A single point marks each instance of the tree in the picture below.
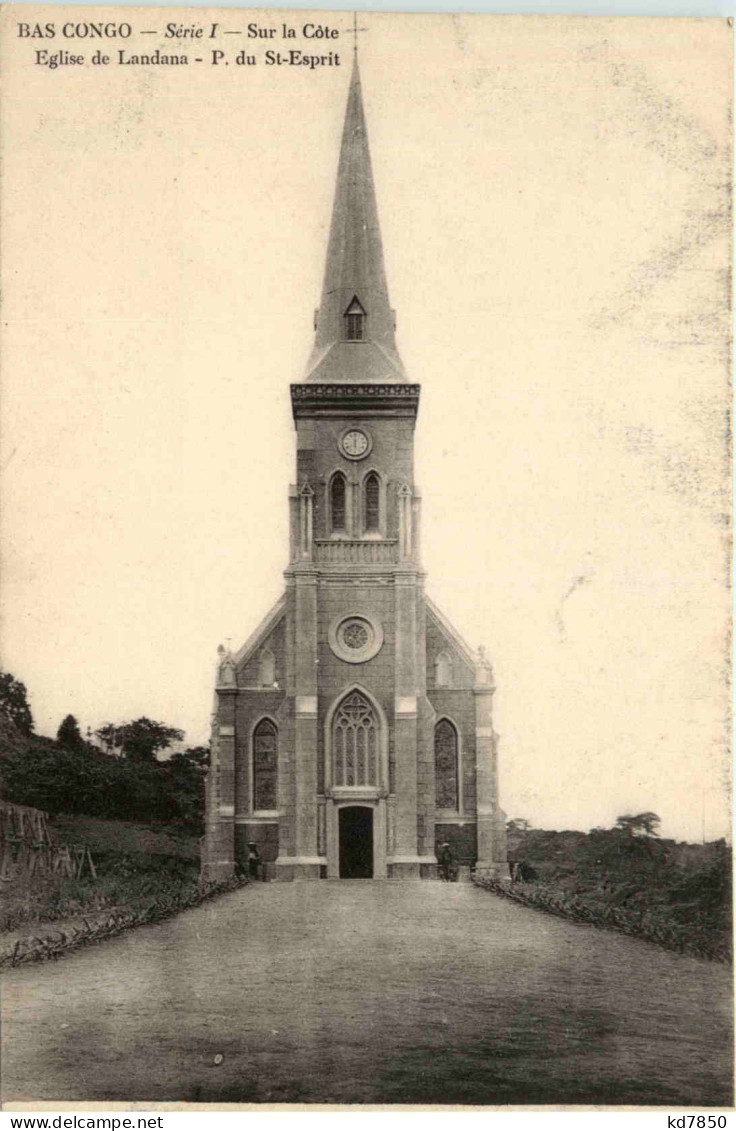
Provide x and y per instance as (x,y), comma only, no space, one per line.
(186,773)
(518,825)
(69,734)
(199,755)
(141,740)
(640,824)
(14,703)
(55,778)
(106,734)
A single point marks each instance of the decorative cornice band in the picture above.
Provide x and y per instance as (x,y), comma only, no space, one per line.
(330,392)
(261,690)
(402,400)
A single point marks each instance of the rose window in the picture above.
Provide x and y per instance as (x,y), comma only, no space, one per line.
(355,635)
(357,638)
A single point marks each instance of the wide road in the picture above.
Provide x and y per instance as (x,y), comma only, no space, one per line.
(373,992)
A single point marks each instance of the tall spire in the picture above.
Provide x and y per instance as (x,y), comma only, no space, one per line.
(355,324)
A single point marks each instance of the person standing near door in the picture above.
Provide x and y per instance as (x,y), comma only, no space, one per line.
(446,861)
(254,860)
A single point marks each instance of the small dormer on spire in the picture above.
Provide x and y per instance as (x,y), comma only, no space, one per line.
(355,305)
(355,322)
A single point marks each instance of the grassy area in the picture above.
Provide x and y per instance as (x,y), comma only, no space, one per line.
(656,922)
(53,897)
(136,864)
(55,939)
(121,838)
(675,894)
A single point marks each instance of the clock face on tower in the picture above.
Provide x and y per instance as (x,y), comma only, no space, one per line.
(355,443)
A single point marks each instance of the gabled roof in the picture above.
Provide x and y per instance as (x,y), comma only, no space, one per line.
(265,628)
(443,623)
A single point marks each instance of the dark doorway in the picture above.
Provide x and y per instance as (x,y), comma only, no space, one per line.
(356,843)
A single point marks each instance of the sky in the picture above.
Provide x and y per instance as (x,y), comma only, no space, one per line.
(553,201)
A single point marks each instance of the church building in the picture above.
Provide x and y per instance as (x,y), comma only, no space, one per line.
(353,730)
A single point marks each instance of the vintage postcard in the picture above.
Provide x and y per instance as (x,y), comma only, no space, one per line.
(364,714)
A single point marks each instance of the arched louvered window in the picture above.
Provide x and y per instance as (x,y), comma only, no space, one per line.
(266,668)
(445,765)
(355,742)
(337,502)
(443,670)
(265,765)
(372,502)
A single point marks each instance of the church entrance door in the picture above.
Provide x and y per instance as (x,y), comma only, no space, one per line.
(356,842)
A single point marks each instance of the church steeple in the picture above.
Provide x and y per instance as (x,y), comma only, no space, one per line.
(355,769)
(355,340)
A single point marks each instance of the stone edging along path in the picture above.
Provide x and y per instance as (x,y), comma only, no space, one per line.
(55,943)
(631,923)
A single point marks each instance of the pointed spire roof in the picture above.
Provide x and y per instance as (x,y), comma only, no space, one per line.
(355,271)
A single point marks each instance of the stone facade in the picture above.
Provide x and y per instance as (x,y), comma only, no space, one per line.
(353,731)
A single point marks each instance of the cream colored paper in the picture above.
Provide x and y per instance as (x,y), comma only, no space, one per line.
(555,208)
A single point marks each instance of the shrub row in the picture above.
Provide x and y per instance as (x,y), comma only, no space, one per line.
(37,948)
(121,882)
(651,924)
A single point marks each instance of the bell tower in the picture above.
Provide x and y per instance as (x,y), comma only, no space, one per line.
(355,410)
(366,761)
(358,510)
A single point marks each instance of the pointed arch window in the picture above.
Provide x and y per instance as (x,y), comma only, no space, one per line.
(372,502)
(267,668)
(355,742)
(265,765)
(355,322)
(338,494)
(443,670)
(445,765)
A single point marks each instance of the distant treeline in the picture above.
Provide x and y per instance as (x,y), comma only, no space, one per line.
(80,778)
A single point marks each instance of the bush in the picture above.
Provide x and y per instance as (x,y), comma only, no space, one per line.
(639,919)
(138,909)
(62,779)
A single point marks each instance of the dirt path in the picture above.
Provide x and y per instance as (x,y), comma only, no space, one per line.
(361,991)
